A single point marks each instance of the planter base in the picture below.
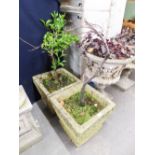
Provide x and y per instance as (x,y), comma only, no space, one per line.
(125,83)
(83,138)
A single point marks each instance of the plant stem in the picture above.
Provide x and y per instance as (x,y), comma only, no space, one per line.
(89,80)
(82,93)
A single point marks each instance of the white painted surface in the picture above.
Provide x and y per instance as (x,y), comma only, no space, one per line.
(106,13)
(97,17)
(94,5)
(115,22)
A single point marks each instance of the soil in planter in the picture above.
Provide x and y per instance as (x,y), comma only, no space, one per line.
(81,113)
(56,81)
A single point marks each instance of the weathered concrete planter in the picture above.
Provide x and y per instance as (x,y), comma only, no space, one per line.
(79,134)
(111,70)
(42,89)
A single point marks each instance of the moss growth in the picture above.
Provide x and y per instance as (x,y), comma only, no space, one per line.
(81,113)
(56,81)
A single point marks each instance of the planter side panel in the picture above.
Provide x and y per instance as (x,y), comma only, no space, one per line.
(79,139)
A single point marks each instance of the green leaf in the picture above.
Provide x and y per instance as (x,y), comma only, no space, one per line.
(48,22)
(61,64)
(43,22)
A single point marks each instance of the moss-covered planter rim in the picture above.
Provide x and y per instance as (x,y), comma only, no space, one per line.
(38,82)
(79,129)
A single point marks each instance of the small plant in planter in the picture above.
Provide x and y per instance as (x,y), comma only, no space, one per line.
(81,109)
(81,105)
(55,42)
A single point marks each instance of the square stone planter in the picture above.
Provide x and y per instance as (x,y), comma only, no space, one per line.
(79,134)
(37,80)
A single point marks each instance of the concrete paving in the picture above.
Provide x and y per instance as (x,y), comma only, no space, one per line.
(115,138)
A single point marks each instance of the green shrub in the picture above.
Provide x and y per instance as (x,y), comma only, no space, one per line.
(56,40)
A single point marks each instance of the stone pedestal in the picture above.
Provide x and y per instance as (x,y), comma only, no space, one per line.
(125,82)
(29,130)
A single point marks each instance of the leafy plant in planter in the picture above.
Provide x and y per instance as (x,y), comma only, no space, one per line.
(82,106)
(81,109)
(55,42)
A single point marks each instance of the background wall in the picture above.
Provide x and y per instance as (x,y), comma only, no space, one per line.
(31,30)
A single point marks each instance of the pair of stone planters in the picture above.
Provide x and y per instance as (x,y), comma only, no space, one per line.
(79,134)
